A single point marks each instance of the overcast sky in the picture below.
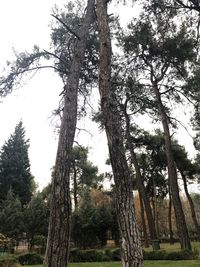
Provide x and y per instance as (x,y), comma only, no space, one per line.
(24,23)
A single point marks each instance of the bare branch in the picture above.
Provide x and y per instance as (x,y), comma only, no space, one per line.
(172,118)
(67,27)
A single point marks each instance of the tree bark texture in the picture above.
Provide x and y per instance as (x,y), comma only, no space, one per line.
(172,176)
(131,250)
(60,213)
(139,180)
(193,213)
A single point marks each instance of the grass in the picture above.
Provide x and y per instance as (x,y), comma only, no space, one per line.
(192,263)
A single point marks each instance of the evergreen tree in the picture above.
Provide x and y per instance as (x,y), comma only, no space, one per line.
(15,172)
(36,218)
(11,217)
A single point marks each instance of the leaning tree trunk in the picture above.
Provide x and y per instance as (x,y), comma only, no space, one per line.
(141,189)
(193,213)
(57,250)
(131,250)
(172,176)
(139,179)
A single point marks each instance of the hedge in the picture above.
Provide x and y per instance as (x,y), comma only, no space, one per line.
(93,255)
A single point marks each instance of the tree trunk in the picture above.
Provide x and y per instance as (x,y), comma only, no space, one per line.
(193,213)
(171,234)
(139,180)
(75,186)
(155,208)
(146,243)
(57,250)
(172,176)
(131,250)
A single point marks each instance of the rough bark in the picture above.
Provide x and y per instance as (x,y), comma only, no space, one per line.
(172,175)
(60,214)
(131,251)
(139,180)
(193,213)
(144,228)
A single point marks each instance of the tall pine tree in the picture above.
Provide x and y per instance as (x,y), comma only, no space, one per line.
(15,172)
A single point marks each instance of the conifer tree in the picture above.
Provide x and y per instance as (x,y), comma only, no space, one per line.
(15,172)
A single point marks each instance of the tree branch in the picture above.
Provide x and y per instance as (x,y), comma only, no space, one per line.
(67,27)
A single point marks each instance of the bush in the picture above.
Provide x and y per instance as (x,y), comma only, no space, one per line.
(116,255)
(93,255)
(90,255)
(174,255)
(30,259)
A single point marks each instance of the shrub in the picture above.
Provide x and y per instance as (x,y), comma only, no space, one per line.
(116,255)
(30,259)
(90,255)
(173,255)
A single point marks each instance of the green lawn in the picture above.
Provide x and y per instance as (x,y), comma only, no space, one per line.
(192,263)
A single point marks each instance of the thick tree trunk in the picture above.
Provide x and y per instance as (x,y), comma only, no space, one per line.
(172,176)
(131,250)
(60,214)
(144,228)
(171,234)
(193,213)
(139,180)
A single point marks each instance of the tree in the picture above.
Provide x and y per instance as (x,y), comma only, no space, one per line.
(36,216)
(187,171)
(131,245)
(139,177)
(15,172)
(11,217)
(91,221)
(84,173)
(161,58)
(60,212)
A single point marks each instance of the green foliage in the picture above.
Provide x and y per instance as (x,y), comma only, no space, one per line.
(11,217)
(86,172)
(92,224)
(83,226)
(91,255)
(30,259)
(15,167)
(170,255)
(115,255)
(36,217)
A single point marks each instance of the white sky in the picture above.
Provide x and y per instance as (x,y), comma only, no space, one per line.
(24,23)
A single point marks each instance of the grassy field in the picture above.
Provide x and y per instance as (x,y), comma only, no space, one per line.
(192,263)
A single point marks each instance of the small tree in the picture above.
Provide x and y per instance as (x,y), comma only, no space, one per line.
(11,217)
(36,218)
(15,172)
